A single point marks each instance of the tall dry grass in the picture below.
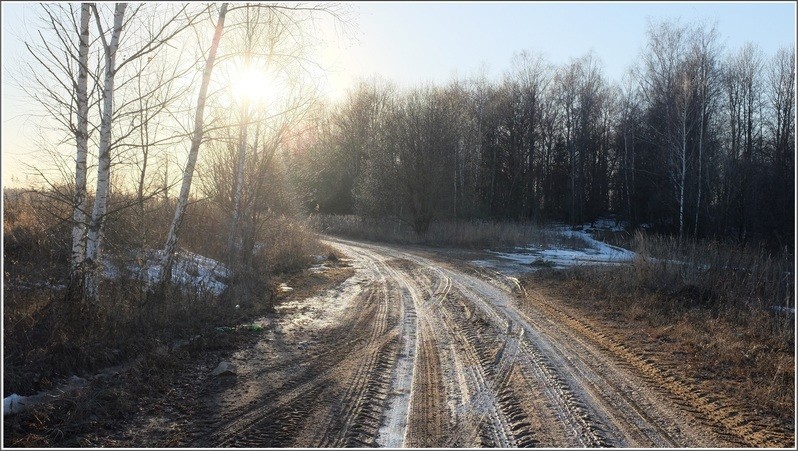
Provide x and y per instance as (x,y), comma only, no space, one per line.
(725,277)
(44,338)
(729,308)
(462,233)
(745,284)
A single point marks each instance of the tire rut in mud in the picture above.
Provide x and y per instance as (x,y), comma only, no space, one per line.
(604,393)
(713,411)
(343,385)
(431,355)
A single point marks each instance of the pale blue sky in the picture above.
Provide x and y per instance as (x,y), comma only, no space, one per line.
(411,42)
(418,42)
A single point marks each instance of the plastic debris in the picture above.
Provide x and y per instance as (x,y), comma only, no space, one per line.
(14,404)
(225,369)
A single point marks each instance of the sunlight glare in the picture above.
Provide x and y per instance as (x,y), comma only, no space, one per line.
(255,85)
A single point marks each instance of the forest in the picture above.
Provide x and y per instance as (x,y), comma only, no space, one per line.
(695,141)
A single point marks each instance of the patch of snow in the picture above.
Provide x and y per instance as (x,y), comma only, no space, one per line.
(324,309)
(190,270)
(14,404)
(529,258)
(285,288)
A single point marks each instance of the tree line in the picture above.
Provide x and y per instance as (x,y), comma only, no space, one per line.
(696,140)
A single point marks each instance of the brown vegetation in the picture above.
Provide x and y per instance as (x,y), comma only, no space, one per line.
(47,338)
(718,312)
(474,234)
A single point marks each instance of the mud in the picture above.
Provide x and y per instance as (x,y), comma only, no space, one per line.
(416,351)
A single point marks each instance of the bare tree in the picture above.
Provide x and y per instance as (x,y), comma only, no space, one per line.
(668,83)
(704,54)
(82,141)
(196,140)
(95,227)
(83,90)
(742,80)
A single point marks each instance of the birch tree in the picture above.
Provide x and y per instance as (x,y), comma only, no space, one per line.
(57,78)
(704,52)
(668,87)
(170,246)
(679,144)
(82,144)
(95,228)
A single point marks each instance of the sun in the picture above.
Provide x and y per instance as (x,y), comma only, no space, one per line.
(255,84)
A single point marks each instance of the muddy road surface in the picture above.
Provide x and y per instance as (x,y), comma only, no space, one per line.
(419,350)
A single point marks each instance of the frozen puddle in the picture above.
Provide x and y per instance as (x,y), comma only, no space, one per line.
(530,258)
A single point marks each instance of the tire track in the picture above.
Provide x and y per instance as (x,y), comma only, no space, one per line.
(353,384)
(429,355)
(599,392)
(713,409)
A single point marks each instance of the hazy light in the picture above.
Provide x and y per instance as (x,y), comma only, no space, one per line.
(254,82)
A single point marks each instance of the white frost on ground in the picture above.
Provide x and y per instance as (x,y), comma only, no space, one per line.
(529,258)
(14,404)
(190,270)
(324,309)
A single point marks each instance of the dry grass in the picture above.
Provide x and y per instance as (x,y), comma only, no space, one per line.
(48,337)
(707,305)
(287,245)
(96,416)
(472,234)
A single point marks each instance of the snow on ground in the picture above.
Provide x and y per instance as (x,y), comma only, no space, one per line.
(531,257)
(607,224)
(14,404)
(190,270)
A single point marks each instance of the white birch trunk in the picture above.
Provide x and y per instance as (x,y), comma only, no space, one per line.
(174,230)
(232,246)
(95,230)
(82,144)
(700,158)
(682,175)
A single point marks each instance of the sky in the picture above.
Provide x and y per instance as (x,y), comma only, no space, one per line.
(420,42)
(417,42)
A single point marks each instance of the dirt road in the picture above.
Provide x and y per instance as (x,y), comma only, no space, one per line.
(417,350)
